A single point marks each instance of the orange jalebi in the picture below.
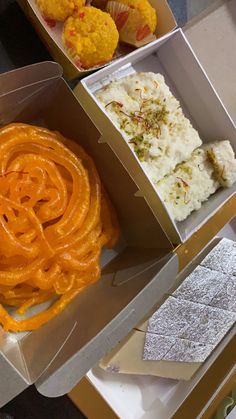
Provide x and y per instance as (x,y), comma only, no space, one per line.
(54,220)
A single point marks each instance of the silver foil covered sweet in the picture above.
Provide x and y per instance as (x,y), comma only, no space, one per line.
(222,258)
(195,318)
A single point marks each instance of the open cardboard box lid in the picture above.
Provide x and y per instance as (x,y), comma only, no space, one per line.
(52,36)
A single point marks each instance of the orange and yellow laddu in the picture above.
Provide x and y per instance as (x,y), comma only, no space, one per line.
(59,9)
(90,37)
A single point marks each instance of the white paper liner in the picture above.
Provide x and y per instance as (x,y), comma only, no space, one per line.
(125,17)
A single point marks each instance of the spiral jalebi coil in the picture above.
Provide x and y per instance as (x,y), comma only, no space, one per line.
(54,220)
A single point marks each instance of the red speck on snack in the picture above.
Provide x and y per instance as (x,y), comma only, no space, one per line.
(50,22)
(143,32)
(68,44)
(121,19)
(78,63)
(72,33)
(81,15)
(185,184)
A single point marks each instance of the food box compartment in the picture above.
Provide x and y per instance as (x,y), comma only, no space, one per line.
(141,266)
(52,36)
(174,58)
(147,397)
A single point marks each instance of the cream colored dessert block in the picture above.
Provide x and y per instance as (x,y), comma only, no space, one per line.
(151,120)
(188,186)
(127,359)
(223,159)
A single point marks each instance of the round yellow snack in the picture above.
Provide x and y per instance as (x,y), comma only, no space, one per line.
(90,37)
(59,9)
(145,8)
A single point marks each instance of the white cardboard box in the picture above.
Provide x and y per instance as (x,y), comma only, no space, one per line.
(148,397)
(52,36)
(135,273)
(173,57)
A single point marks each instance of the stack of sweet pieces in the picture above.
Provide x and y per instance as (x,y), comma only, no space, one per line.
(187,327)
(169,149)
(195,318)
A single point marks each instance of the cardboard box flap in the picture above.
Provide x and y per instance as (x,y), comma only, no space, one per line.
(13,382)
(70,365)
(212,35)
(206,113)
(28,76)
(18,86)
(26,348)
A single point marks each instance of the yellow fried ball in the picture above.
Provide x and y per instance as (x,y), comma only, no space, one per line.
(59,9)
(90,37)
(145,8)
